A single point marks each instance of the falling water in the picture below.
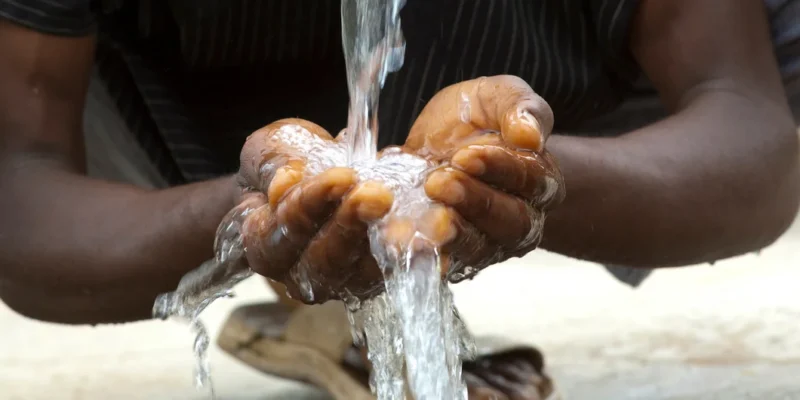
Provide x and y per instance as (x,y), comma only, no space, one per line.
(412,331)
(373,47)
(415,338)
(212,280)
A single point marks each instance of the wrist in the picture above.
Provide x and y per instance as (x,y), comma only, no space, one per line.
(583,162)
(211,201)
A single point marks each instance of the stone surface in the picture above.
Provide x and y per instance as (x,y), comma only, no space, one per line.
(731,331)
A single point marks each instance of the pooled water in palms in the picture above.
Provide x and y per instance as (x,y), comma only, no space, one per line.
(415,338)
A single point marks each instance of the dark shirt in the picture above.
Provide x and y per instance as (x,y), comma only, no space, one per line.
(193,78)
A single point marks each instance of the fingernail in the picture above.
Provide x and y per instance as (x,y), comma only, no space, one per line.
(442,227)
(523,130)
(398,231)
(284,179)
(340,181)
(373,201)
(536,135)
(531,121)
(444,187)
(469,162)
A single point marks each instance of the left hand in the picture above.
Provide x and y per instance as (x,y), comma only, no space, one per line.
(495,179)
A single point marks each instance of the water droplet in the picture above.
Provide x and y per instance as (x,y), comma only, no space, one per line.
(465,108)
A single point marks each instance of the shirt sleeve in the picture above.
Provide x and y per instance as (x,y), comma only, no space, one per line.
(56,17)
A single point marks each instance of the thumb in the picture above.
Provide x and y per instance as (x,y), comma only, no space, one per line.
(501,103)
(511,106)
(280,150)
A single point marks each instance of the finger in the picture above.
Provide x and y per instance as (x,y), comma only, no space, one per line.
(336,255)
(284,179)
(483,139)
(363,279)
(366,280)
(276,145)
(529,175)
(505,219)
(406,238)
(308,206)
(463,249)
(275,239)
(523,117)
(229,232)
(520,129)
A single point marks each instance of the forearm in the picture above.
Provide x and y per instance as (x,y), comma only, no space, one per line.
(693,188)
(79,250)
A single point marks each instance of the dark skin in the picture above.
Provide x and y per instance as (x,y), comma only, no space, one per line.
(717,179)
(83,250)
(493,182)
(686,190)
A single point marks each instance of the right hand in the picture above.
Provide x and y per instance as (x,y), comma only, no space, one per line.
(308,229)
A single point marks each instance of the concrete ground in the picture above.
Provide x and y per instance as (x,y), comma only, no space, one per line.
(731,331)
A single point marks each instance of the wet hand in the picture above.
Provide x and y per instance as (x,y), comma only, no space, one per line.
(307,227)
(495,179)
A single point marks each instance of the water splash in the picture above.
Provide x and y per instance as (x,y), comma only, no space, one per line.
(214,279)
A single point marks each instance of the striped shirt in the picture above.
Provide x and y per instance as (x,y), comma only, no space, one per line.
(193,78)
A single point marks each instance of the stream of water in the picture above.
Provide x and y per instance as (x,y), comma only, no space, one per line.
(415,338)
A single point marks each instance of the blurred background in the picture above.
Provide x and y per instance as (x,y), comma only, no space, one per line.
(728,331)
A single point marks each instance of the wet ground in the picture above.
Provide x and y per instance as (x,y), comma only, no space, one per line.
(731,331)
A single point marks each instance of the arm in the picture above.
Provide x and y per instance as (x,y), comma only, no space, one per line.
(74,249)
(718,178)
